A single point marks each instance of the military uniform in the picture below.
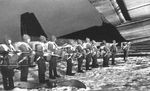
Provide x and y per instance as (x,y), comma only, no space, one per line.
(113,50)
(53,61)
(125,48)
(94,63)
(106,55)
(69,60)
(87,47)
(24,59)
(94,57)
(6,71)
(40,60)
(80,57)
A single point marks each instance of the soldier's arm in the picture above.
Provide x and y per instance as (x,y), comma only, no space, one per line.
(18,51)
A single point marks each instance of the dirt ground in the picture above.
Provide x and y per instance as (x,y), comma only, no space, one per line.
(134,75)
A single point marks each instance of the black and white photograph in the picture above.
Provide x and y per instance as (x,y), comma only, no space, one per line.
(74,45)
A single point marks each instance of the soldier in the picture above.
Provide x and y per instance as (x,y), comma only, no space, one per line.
(40,60)
(125,47)
(80,54)
(105,54)
(6,70)
(69,59)
(113,50)
(9,44)
(54,58)
(13,56)
(24,59)
(41,63)
(94,55)
(87,47)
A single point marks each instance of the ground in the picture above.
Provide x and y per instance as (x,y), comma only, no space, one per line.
(134,75)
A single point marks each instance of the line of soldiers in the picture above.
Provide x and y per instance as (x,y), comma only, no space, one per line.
(26,53)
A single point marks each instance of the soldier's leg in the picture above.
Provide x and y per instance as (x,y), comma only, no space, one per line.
(105,61)
(127,54)
(69,67)
(55,72)
(88,59)
(80,62)
(67,70)
(94,63)
(51,64)
(55,67)
(5,82)
(10,79)
(44,68)
(41,70)
(113,59)
(4,77)
(11,83)
(124,56)
(24,73)
(41,77)
(50,70)
(87,64)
